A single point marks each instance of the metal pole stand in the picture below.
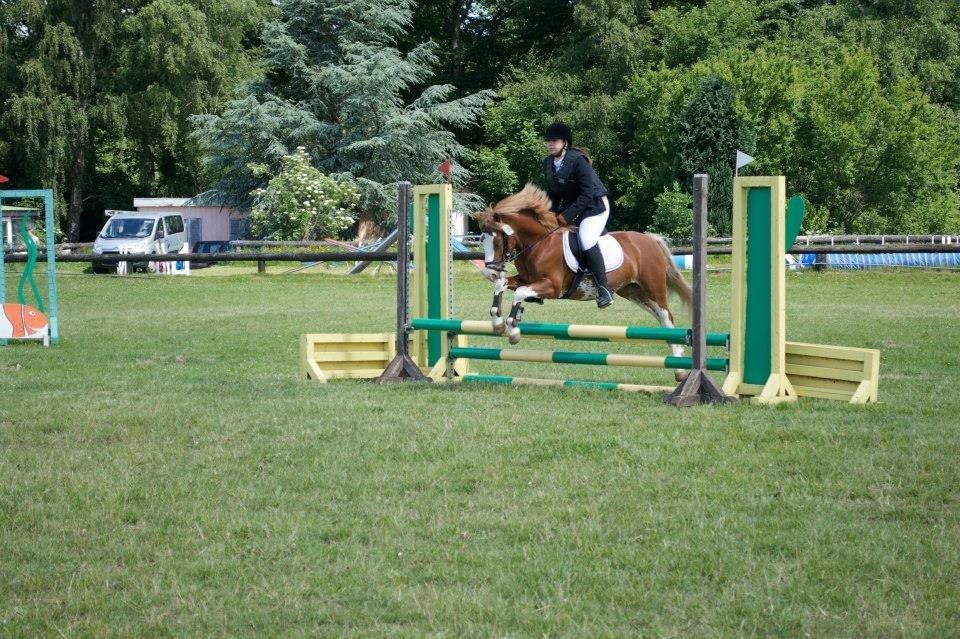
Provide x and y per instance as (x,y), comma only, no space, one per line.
(402,368)
(699,387)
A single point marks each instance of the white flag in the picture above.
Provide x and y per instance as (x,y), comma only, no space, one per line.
(743,159)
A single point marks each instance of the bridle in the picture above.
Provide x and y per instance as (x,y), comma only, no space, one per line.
(500,265)
(509,257)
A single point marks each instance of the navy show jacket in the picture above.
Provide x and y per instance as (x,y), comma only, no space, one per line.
(574,188)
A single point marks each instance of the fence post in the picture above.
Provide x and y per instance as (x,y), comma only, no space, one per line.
(699,387)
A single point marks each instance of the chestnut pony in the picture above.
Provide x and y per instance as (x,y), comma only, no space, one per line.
(521,229)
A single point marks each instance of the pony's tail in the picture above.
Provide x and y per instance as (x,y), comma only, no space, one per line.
(675,281)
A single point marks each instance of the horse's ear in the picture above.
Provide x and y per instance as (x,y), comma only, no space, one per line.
(485,217)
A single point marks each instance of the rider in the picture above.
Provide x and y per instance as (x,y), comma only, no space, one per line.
(580,198)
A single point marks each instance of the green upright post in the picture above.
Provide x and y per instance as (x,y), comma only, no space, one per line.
(757,346)
(435,264)
(53,315)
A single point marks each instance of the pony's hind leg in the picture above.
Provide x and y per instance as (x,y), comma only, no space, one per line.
(660,311)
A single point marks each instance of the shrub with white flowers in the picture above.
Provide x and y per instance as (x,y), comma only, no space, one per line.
(301,203)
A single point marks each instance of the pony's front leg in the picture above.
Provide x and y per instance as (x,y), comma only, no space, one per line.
(499,326)
(536,291)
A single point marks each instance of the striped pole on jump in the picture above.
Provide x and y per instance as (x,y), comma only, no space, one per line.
(564,383)
(594,359)
(583,332)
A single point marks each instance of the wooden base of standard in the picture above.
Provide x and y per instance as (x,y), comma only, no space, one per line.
(402,369)
(698,388)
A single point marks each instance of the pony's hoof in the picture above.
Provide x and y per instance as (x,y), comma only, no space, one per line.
(499,326)
(681,375)
(514,336)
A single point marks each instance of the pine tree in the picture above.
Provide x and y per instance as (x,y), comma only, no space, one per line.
(708,137)
(337,85)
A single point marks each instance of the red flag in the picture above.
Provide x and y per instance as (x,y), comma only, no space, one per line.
(3,179)
(445,168)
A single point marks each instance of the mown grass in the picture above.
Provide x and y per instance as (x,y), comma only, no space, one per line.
(164,472)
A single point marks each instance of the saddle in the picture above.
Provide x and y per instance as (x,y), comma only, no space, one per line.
(573,257)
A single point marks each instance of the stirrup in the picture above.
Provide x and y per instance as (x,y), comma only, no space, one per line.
(604,297)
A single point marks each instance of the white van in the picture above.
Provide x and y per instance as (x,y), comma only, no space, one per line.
(132,232)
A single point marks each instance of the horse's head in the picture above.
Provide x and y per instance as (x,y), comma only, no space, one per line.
(500,243)
(512,225)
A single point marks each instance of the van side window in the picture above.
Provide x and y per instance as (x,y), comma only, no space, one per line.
(173,224)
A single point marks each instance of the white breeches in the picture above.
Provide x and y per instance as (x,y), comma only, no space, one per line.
(592,227)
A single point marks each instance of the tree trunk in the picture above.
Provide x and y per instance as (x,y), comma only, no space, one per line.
(459,9)
(149,167)
(75,206)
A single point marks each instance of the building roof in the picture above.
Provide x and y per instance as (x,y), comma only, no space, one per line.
(139,202)
(16,212)
(207,198)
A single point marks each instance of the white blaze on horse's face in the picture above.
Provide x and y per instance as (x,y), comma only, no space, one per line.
(489,254)
(488,251)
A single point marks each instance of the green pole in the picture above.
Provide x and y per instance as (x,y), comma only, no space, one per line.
(757,348)
(27,275)
(434,264)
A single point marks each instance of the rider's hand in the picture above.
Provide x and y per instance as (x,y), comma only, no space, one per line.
(562,221)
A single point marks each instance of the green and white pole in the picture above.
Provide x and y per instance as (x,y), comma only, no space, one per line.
(576,357)
(575,332)
(564,383)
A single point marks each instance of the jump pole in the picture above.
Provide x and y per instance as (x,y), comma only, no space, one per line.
(432,262)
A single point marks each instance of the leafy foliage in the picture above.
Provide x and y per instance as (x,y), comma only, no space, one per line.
(301,203)
(832,95)
(708,136)
(673,216)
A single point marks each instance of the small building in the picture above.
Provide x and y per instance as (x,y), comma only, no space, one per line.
(205,219)
(10,217)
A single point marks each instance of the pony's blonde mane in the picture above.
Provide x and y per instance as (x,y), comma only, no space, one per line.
(530,202)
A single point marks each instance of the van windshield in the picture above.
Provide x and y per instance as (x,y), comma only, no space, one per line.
(127,227)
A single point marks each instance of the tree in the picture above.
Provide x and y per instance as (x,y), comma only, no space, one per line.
(336,84)
(63,97)
(708,135)
(479,39)
(187,59)
(82,77)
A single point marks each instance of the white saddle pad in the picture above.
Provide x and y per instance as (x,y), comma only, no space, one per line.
(610,247)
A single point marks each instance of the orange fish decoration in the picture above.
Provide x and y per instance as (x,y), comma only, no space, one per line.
(19,321)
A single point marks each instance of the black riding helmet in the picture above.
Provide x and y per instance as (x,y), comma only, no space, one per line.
(559,131)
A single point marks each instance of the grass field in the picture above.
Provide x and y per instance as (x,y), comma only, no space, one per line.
(163,471)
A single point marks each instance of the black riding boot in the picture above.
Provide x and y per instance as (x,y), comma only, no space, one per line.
(594,259)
